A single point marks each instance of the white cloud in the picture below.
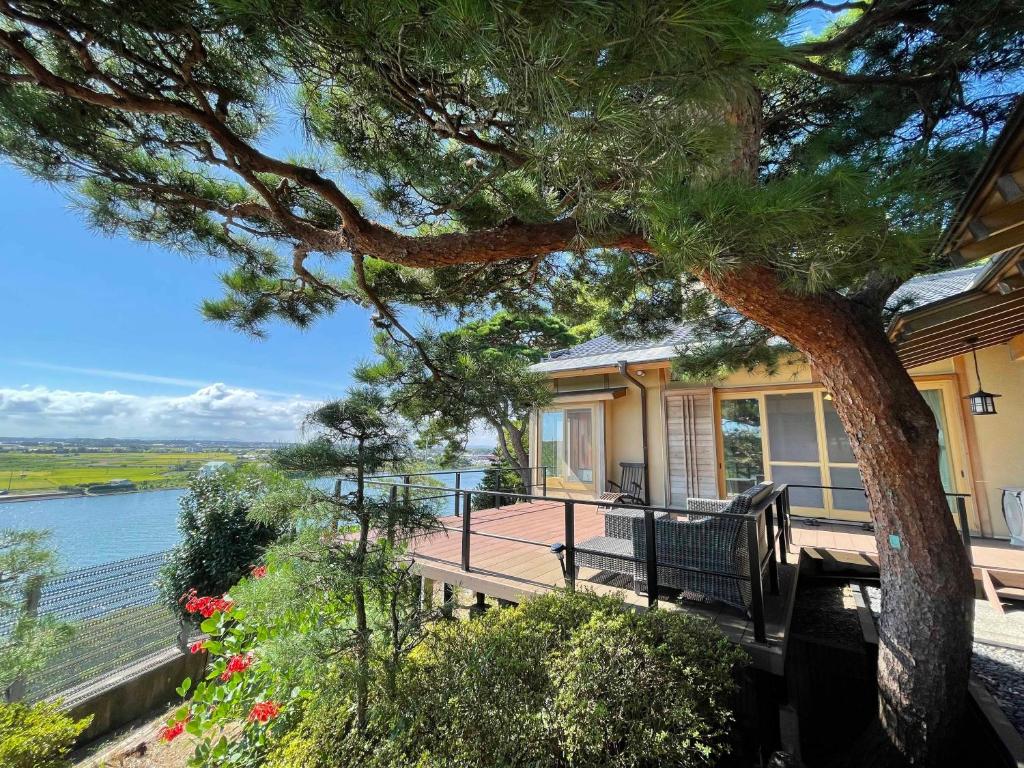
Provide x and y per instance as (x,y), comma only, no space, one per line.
(212,411)
(148,378)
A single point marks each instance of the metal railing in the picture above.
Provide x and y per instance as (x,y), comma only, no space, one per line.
(530,477)
(118,617)
(766,528)
(959,504)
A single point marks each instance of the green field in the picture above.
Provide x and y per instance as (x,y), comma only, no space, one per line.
(23,471)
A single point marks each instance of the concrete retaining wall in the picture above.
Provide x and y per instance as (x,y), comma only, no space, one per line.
(134,693)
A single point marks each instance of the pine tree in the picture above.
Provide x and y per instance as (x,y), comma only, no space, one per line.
(512,148)
(478,372)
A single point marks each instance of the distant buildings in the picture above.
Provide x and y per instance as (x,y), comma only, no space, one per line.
(212,468)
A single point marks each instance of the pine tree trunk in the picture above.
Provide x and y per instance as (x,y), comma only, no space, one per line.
(927,589)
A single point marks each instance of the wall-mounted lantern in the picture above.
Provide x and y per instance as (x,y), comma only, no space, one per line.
(982,403)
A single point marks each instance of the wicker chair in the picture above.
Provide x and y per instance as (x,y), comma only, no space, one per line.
(703,543)
(612,552)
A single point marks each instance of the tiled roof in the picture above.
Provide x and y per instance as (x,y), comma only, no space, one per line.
(604,350)
(927,289)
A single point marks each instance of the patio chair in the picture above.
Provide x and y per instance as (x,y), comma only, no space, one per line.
(711,547)
(612,552)
(630,488)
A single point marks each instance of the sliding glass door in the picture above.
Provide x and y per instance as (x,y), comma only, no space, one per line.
(795,436)
(568,447)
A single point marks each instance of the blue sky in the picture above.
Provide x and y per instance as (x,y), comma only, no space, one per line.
(102,337)
(84,313)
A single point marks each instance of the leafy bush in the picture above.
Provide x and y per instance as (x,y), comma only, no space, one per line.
(500,476)
(36,736)
(570,680)
(220,542)
(644,689)
(28,642)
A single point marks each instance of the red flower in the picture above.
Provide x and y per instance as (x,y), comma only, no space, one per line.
(263,711)
(237,663)
(174,730)
(206,606)
(196,647)
(259,572)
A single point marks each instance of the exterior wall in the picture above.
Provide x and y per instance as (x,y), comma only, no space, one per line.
(997,443)
(987,451)
(623,437)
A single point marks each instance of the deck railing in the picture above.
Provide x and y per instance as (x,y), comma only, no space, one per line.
(959,508)
(767,535)
(531,478)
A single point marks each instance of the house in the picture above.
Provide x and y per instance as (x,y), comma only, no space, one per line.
(617,402)
(213,467)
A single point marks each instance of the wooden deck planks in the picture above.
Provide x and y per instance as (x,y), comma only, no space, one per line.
(511,570)
(988,553)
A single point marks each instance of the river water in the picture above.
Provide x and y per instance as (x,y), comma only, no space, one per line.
(92,530)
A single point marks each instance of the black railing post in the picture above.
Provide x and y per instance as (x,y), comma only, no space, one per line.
(466,514)
(408,490)
(570,544)
(458,485)
(652,559)
(497,495)
(780,510)
(965,527)
(773,565)
(756,591)
(544,481)
(393,493)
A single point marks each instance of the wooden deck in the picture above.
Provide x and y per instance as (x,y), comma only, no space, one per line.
(510,570)
(988,553)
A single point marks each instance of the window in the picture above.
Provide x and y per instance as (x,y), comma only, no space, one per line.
(797,438)
(743,458)
(552,438)
(567,444)
(793,446)
(842,466)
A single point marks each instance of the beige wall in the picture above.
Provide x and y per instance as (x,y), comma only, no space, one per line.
(623,438)
(998,441)
(991,453)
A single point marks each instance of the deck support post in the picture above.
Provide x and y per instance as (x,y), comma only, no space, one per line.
(426,594)
(570,545)
(781,504)
(503,603)
(467,507)
(458,485)
(480,607)
(448,598)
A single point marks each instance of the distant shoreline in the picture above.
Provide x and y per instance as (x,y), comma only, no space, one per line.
(55,495)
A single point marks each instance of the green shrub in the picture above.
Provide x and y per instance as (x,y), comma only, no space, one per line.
(36,736)
(570,680)
(220,543)
(644,689)
(562,680)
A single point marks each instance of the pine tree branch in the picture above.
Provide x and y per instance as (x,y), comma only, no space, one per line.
(848,78)
(876,15)
(514,240)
